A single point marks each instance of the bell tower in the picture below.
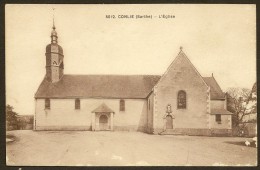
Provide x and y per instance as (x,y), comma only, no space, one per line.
(54,58)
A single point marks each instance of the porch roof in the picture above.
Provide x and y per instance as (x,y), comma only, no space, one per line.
(220,112)
(103,108)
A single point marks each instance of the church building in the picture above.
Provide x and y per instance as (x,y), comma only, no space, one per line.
(180,101)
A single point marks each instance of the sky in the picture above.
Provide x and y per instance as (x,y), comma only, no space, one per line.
(218,39)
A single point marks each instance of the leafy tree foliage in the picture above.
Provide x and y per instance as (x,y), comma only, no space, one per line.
(11,118)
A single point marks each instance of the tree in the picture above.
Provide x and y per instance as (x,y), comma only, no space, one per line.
(254,99)
(239,103)
(11,118)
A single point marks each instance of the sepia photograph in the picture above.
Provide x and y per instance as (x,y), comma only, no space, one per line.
(131,85)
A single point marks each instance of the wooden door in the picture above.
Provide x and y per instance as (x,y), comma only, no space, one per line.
(169,122)
(103,122)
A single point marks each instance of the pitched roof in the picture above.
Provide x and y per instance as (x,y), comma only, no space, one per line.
(95,86)
(109,86)
(215,90)
(220,112)
(103,108)
(181,54)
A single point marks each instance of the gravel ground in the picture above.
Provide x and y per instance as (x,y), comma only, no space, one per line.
(86,148)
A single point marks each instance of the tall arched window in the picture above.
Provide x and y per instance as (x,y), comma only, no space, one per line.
(181,101)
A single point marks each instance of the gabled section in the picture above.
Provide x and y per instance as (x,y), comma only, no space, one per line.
(181,59)
(215,91)
(103,108)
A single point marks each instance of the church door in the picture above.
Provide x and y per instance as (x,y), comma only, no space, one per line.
(169,122)
(103,122)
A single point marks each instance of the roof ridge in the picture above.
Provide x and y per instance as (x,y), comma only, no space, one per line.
(111,75)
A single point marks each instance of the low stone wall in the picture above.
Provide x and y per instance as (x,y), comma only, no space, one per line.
(157,131)
(149,130)
(199,132)
(221,132)
(193,132)
(130,128)
(246,130)
(251,128)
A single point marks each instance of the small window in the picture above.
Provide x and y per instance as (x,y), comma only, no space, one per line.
(148,104)
(218,118)
(47,104)
(122,105)
(77,104)
(181,100)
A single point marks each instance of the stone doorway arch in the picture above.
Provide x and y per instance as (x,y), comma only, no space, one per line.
(102,118)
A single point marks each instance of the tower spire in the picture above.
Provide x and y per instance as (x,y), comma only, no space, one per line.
(54,56)
(53,23)
(54,35)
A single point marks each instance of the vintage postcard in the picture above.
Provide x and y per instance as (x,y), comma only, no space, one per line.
(131,85)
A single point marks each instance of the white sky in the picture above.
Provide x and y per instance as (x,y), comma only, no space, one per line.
(219,39)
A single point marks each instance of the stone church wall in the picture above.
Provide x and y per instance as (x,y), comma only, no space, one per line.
(181,75)
(217,104)
(63,116)
(225,127)
(225,122)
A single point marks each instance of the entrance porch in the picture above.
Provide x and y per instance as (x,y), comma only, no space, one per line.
(102,118)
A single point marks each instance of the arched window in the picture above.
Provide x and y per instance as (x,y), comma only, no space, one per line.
(181,101)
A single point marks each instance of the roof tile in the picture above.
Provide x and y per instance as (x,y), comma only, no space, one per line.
(95,86)
(215,90)
(109,86)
